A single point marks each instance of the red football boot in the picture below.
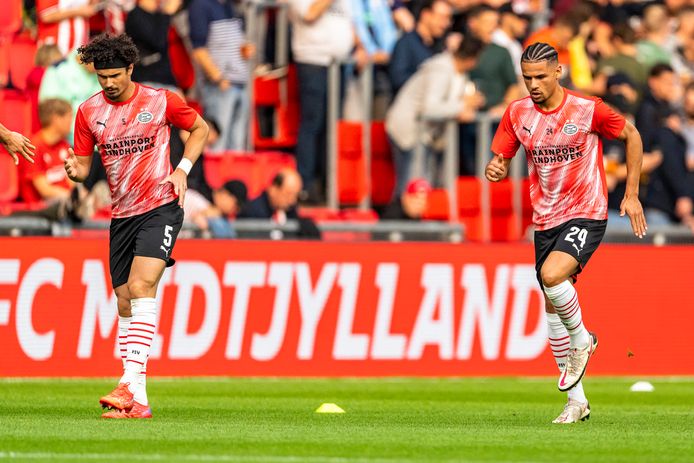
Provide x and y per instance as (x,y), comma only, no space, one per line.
(120,398)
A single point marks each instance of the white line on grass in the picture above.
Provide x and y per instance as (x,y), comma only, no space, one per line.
(220,458)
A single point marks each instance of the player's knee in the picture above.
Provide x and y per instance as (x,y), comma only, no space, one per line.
(551,277)
(140,287)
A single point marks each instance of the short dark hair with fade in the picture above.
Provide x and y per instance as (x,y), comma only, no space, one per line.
(660,69)
(106,48)
(538,52)
(470,47)
(479,10)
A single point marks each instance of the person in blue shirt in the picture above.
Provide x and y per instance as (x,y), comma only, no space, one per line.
(415,47)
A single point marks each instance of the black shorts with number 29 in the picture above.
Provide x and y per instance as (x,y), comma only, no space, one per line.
(577,237)
(152,234)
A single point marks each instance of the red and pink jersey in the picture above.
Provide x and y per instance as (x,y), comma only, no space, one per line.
(67,34)
(133,140)
(564,151)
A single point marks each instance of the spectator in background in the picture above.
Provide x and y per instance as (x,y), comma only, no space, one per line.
(411,204)
(46,179)
(375,30)
(622,95)
(657,43)
(46,55)
(65,24)
(69,80)
(221,52)
(415,47)
(671,186)
(688,124)
(214,218)
(558,35)
(494,75)
(662,94)
(322,31)
(512,28)
(436,93)
(685,25)
(625,61)
(683,60)
(376,34)
(148,25)
(278,202)
(403,17)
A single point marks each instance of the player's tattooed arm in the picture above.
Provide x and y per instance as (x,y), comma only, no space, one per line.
(77,167)
(631,205)
(497,168)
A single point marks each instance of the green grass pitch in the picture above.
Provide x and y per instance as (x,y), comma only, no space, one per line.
(387,420)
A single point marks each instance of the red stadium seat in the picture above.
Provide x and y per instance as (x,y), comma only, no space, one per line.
(15,111)
(358,215)
(5,43)
(22,54)
(438,206)
(351,183)
(503,219)
(320,214)
(11,17)
(256,170)
(181,64)
(268,93)
(9,184)
(382,169)
(469,191)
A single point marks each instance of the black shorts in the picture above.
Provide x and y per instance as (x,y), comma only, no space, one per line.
(152,234)
(577,237)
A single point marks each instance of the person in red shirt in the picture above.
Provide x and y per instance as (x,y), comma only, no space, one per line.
(64,23)
(46,179)
(560,131)
(130,125)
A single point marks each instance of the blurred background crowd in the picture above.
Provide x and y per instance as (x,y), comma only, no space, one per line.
(261,73)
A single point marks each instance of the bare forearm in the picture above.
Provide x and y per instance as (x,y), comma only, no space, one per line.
(195,143)
(203,58)
(634,155)
(57,16)
(317,9)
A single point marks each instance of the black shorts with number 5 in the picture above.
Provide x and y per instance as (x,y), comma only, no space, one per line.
(152,234)
(577,237)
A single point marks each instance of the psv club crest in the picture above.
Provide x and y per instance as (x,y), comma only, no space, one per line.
(569,128)
(145,117)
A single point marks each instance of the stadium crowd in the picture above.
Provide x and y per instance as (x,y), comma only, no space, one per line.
(432,61)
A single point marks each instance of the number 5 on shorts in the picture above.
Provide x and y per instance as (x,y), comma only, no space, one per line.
(167,235)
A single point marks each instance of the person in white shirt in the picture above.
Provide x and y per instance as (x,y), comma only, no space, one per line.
(322,31)
(437,94)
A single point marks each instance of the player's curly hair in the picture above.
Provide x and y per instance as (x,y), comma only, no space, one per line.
(108,48)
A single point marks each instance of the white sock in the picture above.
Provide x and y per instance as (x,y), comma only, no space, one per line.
(140,394)
(123,324)
(564,298)
(140,335)
(559,343)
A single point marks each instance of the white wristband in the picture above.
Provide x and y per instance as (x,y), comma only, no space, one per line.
(185,165)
